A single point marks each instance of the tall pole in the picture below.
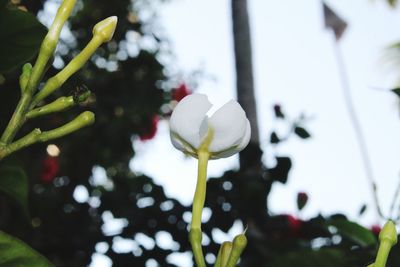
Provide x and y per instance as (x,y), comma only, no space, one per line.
(244,79)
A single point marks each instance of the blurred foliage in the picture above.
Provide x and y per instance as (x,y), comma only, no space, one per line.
(20,37)
(392,3)
(15,253)
(129,82)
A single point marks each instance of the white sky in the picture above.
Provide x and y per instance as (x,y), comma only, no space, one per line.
(295,66)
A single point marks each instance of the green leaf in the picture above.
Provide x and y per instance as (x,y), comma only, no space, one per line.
(396,91)
(20,37)
(15,253)
(353,231)
(320,258)
(281,170)
(14,183)
(301,132)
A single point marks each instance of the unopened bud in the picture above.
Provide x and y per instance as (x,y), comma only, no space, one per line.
(105,28)
(388,233)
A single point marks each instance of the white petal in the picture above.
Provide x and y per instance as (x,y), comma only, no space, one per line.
(187,118)
(229,124)
(233,150)
(246,138)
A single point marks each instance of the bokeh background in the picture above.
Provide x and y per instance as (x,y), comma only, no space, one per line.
(118,194)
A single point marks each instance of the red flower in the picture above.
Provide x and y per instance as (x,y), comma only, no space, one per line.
(294,224)
(151,130)
(376,229)
(50,169)
(180,92)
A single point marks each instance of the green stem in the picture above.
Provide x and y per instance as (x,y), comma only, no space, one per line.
(84,119)
(226,248)
(219,256)
(25,141)
(16,120)
(383,253)
(73,66)
(200,193)
(195,235)
(58,105)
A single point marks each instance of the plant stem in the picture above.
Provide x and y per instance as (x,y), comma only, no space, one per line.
(226,248)
(195,235)
(58,80)
(84,119)
(383,254)
(58,105)
(16,120)
(25,141)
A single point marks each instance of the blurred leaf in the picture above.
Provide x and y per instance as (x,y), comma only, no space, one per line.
(320,258)
(20,37)
(396,91)
(3,3)
(393,3)
(14,183)
(281,170)
(354,232)
(301,132)
(15,253)
(274,139)
(302,199)
(362,210)
(278,112)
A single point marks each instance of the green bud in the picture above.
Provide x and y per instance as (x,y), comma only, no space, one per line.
(388,233)
(60,104)
(105,28)
(240,241)
(24,77)
(84,119)
(239,244)
(226,249)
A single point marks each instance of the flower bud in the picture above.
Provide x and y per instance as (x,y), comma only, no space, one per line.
(388,233)
(105,28)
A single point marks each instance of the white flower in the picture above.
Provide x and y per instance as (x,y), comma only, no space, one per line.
(189,126)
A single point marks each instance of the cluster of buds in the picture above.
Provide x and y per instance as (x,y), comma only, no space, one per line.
(30,104)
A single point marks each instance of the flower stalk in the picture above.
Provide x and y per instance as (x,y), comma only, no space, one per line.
(195,234)
(387,238)
(84,119)
(102,32)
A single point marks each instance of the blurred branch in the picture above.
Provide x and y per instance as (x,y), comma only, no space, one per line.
(362,144)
